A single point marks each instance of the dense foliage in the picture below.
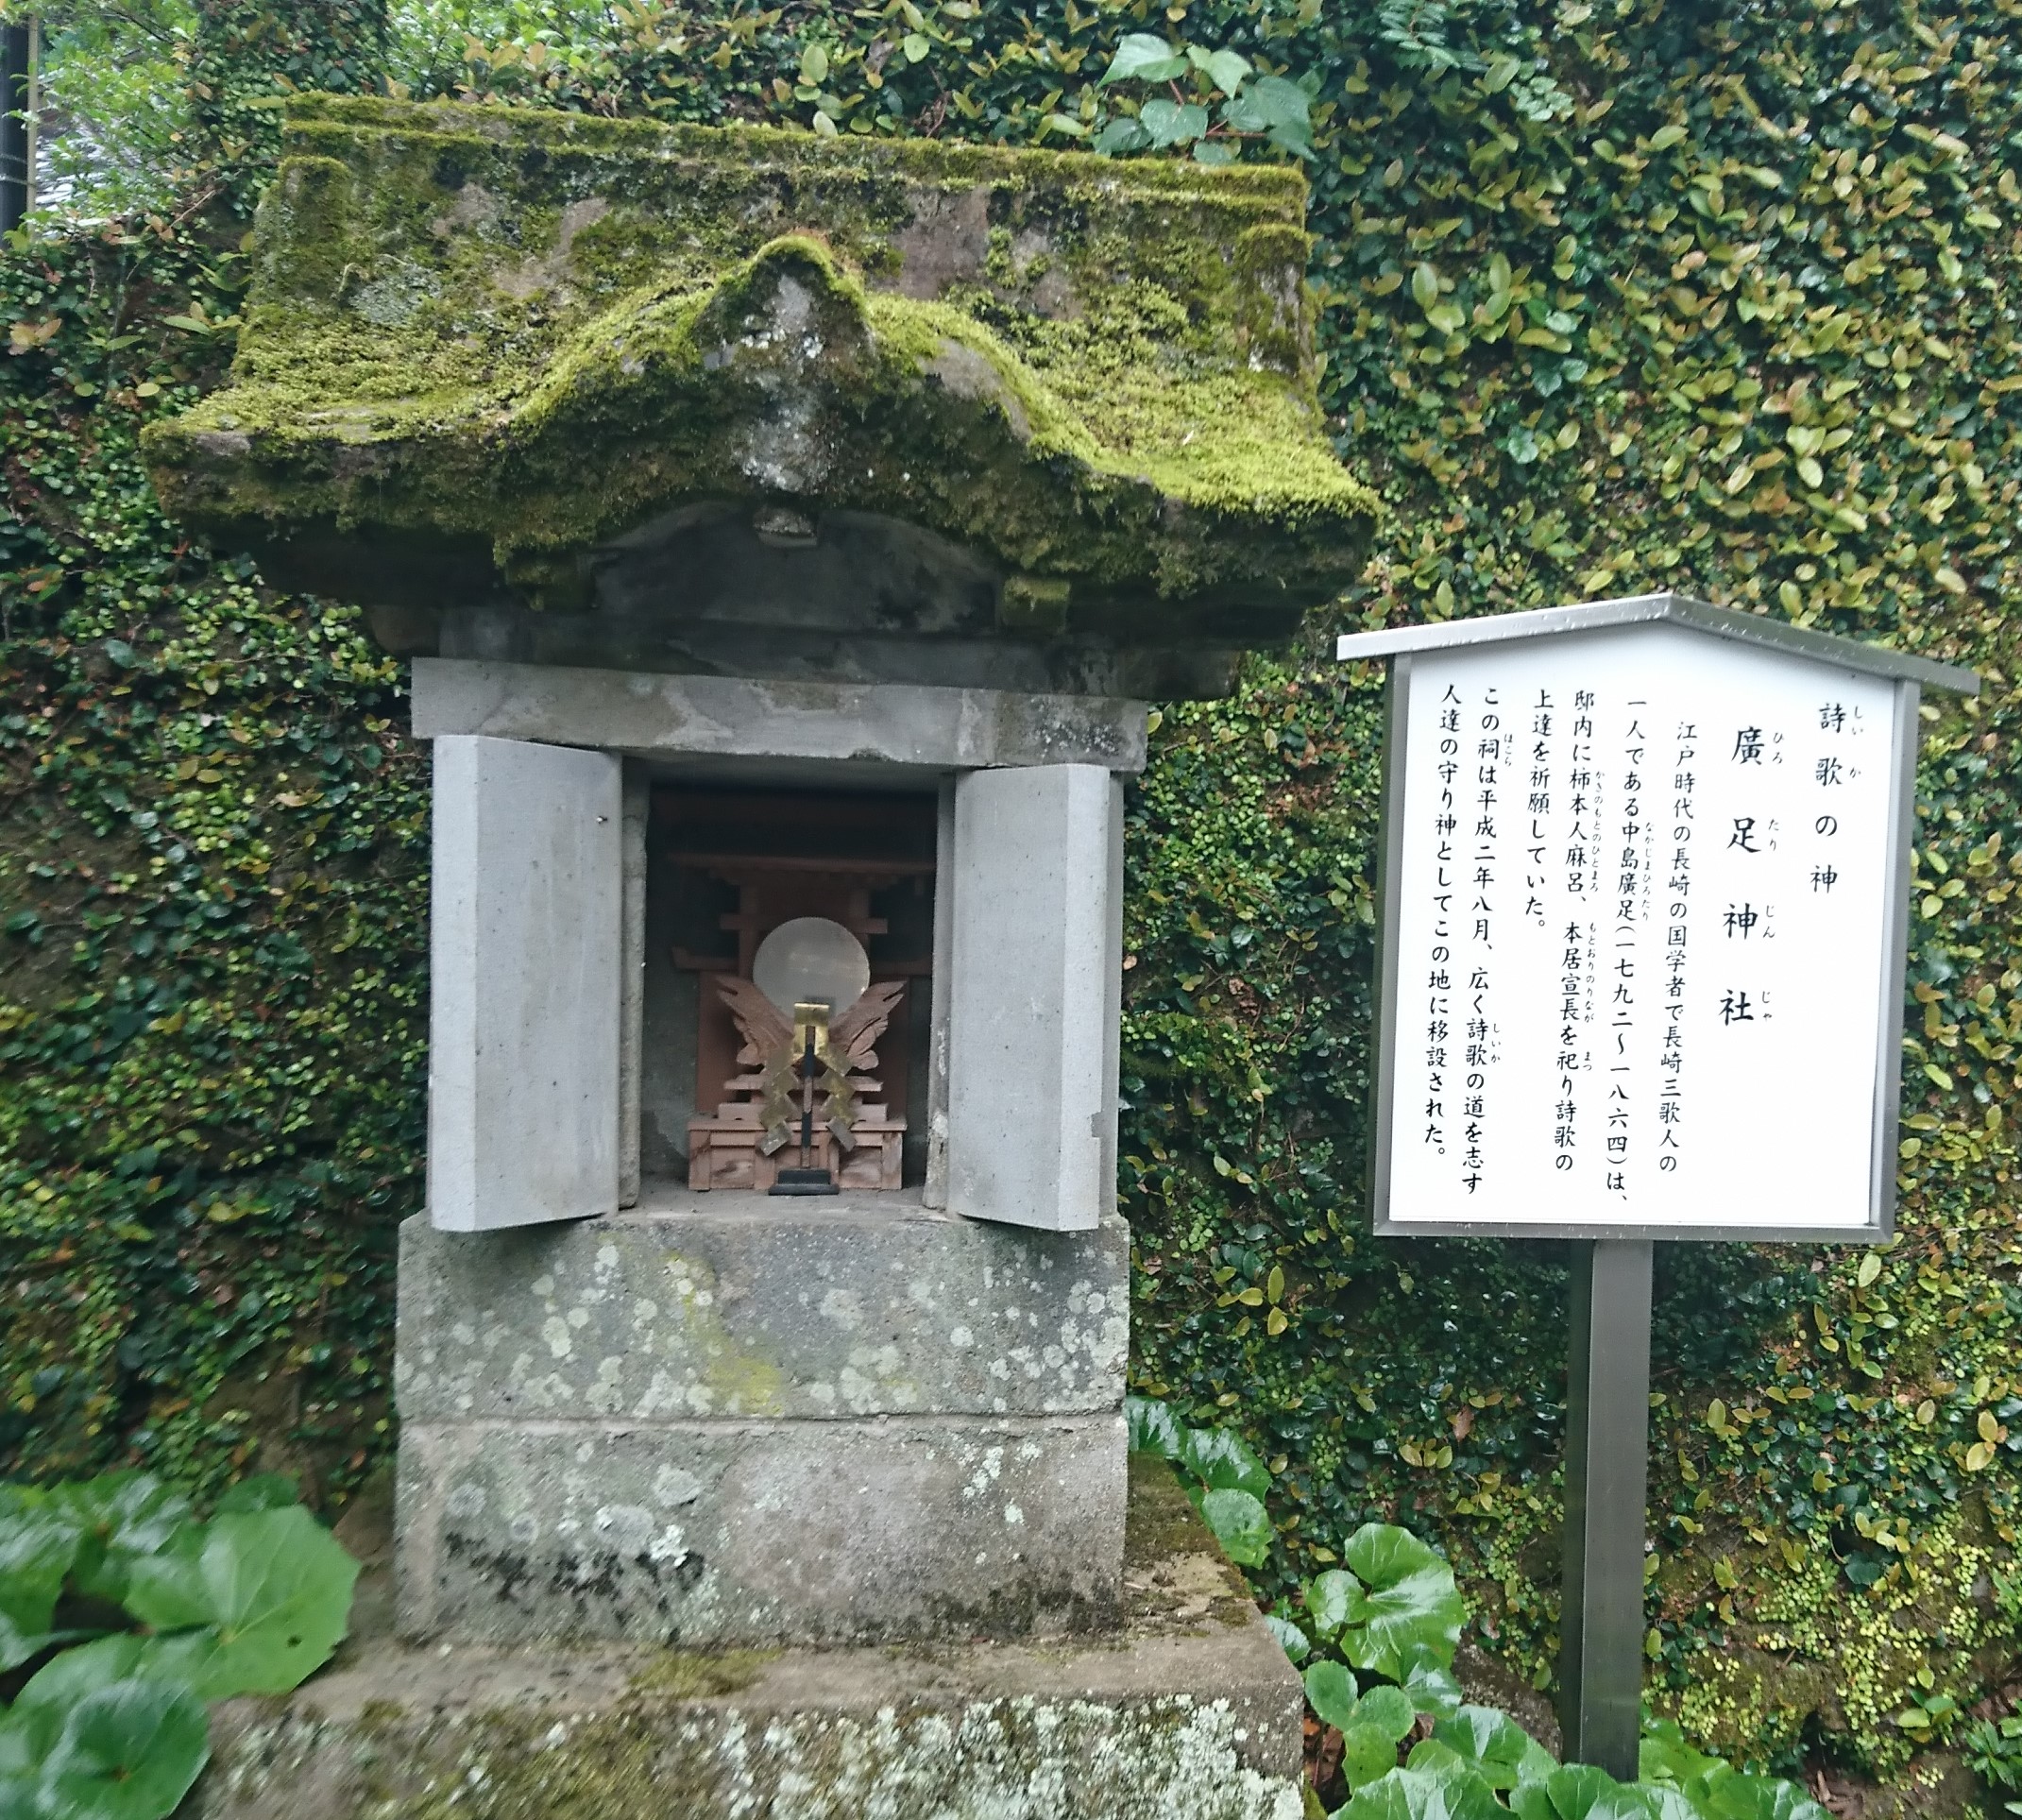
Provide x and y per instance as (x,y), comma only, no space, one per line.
(1379,1636)
(122,1616)
(1617,294)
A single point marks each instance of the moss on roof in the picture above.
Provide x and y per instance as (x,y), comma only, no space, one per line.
(531,333)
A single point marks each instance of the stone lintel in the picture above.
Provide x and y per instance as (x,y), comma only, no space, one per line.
(721,1533)
(1188,1711)
(653,715)
(735,1305)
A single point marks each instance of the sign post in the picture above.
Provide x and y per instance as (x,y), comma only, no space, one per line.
(1644,884)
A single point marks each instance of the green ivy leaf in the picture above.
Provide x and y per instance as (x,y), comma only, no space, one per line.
(1225,69)
(1121,137)
(1172,123)
(126,1752)
(266,1600)
(1143,58)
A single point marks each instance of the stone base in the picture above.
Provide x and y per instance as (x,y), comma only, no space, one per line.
(1190,1712)
(727,1419)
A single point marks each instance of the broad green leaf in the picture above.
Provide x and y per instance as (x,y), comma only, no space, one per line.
(1219,151)
(263,1491)
(1366,1753)
(1172,123)
(64,1681)
(38,1541)
(1241,1525)
(814,65)
(271,1590)
(915,47)
(1424,1794)
(1665,1756)
(1410,1600)
(1503,1752)
(1143,58)
(1724,1793)
(1580,1792)
(1333,1599)
(120,1516)
(1152,1427)
(1388,1709)
(1292,1641)
(1222,1458)
(1330,1692)
(22,1746)
(1433,1688)
(1122,136)
(126,1752)
(1425,284)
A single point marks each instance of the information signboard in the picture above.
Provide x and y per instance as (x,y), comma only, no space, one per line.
(1644,880)
(1644,883)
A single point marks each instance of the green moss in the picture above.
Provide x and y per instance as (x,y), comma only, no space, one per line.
(544,332)
(701,1675)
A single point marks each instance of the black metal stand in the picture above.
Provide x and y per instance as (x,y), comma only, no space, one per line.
(1608,1445)
(806,1180)
(15,182)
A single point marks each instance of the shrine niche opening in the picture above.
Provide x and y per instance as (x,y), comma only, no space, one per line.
(738,882)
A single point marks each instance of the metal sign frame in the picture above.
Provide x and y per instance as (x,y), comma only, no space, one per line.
(1909,675)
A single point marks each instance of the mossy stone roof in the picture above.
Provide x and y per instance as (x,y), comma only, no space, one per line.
(690,398)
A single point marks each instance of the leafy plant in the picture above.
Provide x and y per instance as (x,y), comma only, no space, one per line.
(252,1602)
(1394,1612)
(1253,106)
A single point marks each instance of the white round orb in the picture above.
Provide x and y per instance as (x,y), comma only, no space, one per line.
(812,961)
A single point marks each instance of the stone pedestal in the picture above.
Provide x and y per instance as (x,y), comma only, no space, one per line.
(731,1418)
(1187,1711)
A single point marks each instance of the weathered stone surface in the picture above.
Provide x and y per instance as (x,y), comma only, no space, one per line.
(654,715)
(761,1532)
(1189,1713)
(525,984)
(735,1304)
(1034,995)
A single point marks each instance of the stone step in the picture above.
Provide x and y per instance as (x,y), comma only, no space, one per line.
(1189,1711)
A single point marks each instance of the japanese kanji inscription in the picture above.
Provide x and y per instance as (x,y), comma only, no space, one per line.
(1642,942)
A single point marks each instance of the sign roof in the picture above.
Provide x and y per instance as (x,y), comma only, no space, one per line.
(1675,609)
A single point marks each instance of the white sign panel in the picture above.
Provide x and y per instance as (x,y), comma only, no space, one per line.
(1642,948)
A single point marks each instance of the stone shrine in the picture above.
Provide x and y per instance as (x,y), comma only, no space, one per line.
(788,534)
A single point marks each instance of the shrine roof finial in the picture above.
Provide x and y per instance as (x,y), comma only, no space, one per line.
(726,392)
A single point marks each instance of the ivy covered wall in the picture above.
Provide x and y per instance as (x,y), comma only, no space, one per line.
(1617,296)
